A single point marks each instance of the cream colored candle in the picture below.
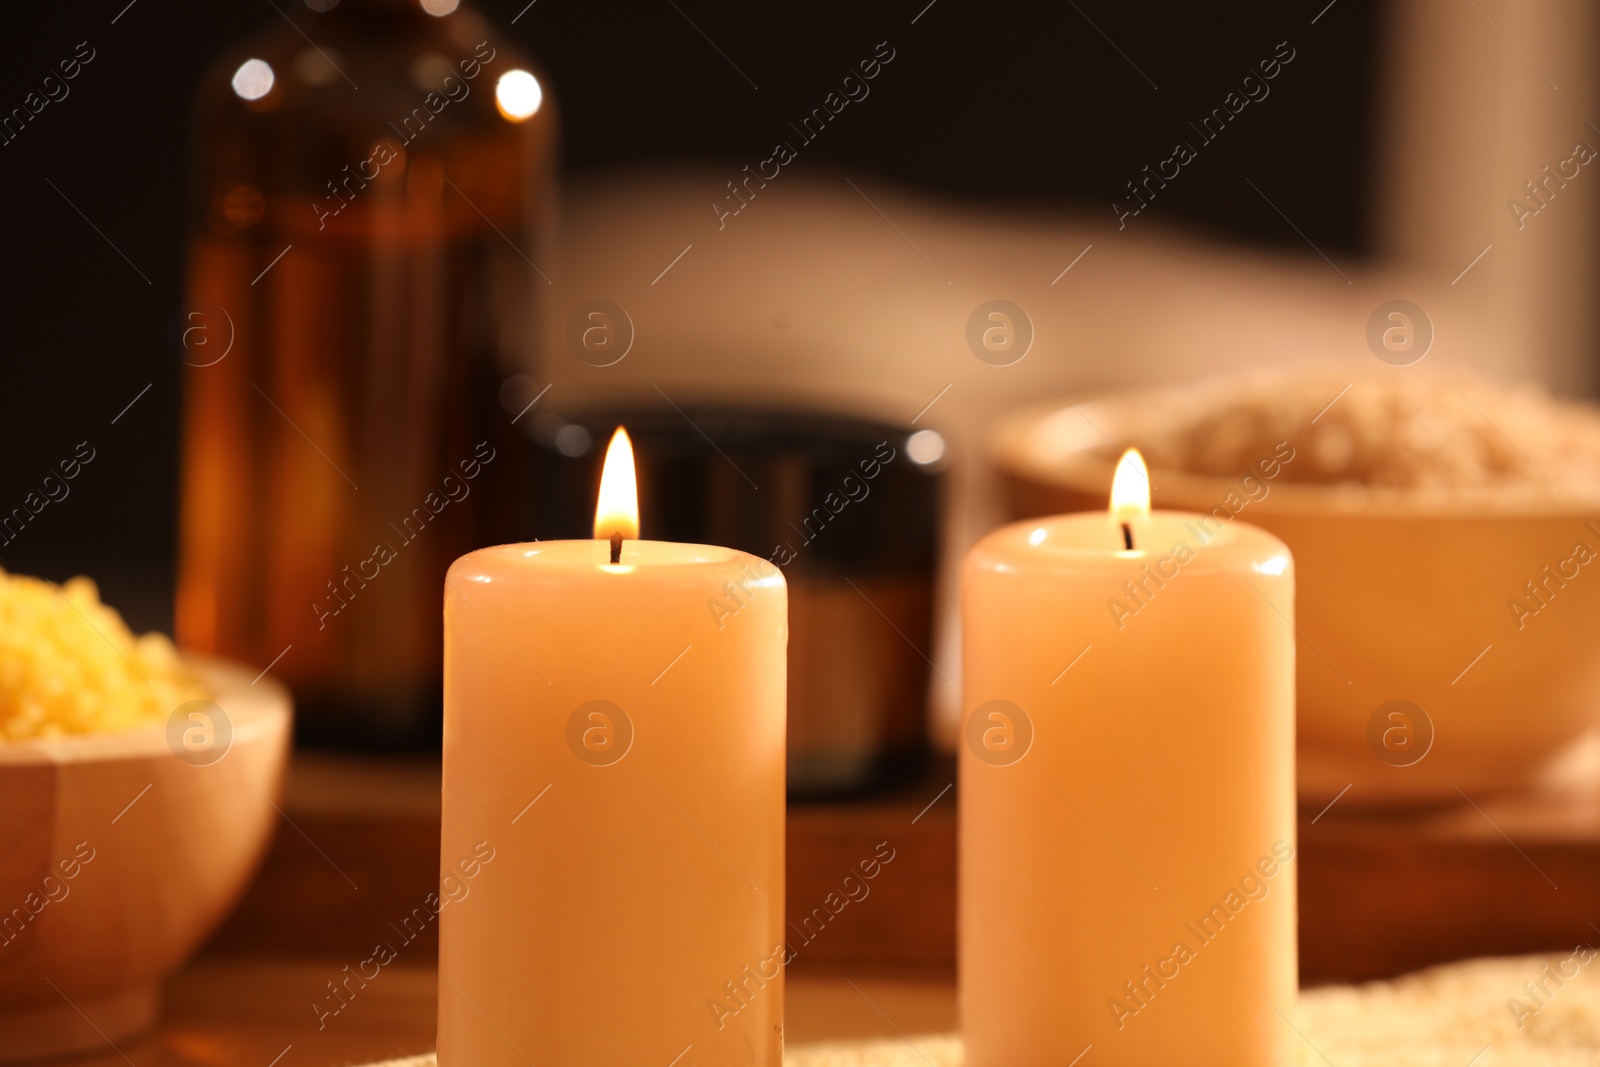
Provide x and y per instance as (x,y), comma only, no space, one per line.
(1127,792)
(616,747)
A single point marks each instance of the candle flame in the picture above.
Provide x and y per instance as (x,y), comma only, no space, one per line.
(617,511)
(1130,488)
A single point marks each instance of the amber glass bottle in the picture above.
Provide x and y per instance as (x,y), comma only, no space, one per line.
(371,187)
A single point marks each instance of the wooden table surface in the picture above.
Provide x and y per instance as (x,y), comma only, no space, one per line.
(255,1011)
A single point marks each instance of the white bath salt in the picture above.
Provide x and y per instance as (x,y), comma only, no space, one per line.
(1433,433)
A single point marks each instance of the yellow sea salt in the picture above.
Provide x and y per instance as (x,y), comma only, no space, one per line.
(70,665)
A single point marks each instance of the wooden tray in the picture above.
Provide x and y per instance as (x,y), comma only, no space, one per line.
(1380,893)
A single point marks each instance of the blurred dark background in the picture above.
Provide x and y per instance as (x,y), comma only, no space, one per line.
(999,103)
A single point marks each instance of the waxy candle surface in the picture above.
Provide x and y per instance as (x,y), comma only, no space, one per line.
(634,901)
(1127,813)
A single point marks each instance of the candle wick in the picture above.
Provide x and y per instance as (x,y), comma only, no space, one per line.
(1127,538)
(616,547)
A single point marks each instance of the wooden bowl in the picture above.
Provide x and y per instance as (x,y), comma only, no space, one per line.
(118,857)
(1399,598)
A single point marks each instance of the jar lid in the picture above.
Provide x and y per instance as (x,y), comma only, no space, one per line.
(811,491)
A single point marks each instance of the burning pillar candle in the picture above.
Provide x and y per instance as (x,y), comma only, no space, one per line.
(1127,791)
(613,825)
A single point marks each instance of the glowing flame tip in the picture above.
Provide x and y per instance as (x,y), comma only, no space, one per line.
(617,511)
(1130,487)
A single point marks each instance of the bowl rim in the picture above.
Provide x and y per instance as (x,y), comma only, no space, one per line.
(257,706)
(1013,450)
